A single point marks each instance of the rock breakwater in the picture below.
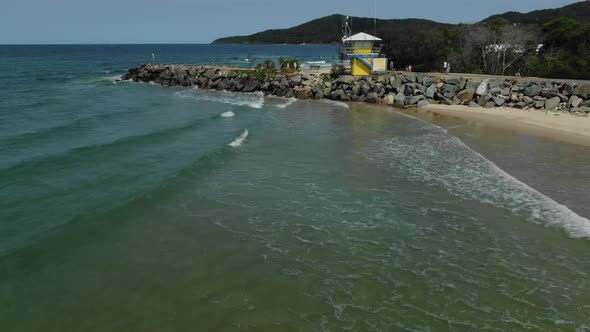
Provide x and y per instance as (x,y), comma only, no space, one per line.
(398,90)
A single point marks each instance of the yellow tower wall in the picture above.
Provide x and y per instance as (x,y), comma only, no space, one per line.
(358,68)
(363,47)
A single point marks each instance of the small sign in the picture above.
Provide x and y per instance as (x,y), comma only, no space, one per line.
(380,65)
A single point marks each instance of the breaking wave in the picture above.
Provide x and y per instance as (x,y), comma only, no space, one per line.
(287,103)
(437,158)
(252,100)
(239,140)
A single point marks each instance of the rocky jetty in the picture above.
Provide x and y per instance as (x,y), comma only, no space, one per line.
(402,91)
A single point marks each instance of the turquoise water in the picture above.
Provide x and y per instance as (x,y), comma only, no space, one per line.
(132,207)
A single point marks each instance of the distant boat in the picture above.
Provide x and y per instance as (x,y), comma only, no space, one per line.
(246,60)
(302,44)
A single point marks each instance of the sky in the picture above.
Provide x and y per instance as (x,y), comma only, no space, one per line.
(202,21)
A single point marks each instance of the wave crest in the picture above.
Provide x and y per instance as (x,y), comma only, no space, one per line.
(239,140)
(287,103)
(228,114)
(252,100)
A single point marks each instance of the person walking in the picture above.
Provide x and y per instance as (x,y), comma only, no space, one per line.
(448,67)
(391,65)
(445,64)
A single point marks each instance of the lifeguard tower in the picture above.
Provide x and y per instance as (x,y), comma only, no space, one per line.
(364,57)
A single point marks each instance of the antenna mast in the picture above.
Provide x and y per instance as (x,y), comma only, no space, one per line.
(346,28)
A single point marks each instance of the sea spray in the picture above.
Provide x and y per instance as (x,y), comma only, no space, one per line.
(228,114)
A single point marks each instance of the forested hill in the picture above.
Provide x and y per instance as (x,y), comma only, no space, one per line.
(328,30)
(579,11)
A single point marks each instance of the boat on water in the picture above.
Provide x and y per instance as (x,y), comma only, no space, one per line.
(249,59)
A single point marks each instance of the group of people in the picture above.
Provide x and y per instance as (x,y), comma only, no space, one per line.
(392,66)
(446,67)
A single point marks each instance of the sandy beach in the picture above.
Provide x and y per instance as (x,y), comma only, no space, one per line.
(560,126)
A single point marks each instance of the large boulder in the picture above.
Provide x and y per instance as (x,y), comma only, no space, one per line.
(552,103)
(495,91)
(420,78)
(430,81)
(422,103)
(470,84)
(416,99)
(356,90)
(337,95)
(166,74)
(396,83)
(347,79)
(431,91)
(482,89)
(567,88)
(378,87)
(223,84)
(582,90)
(533,90)
(450,90)
(499,101)
(372,97)
(251,86)
(209,73)
(399,100)
(453,81)
(389,99)
(295,80)
(303,92)
(466,95)
(384,79)
(574,102)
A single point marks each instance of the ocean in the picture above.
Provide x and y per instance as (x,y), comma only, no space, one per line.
(133,207)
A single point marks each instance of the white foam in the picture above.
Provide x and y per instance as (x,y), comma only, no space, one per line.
(228,114)
(437,158)
(239,140)
(336,103)
(252,100)
(113,79)
(287,103)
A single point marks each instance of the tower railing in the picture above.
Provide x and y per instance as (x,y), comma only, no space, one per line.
(374,50)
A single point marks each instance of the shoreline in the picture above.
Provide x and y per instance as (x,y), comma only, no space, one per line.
(554,109)
(562,127)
